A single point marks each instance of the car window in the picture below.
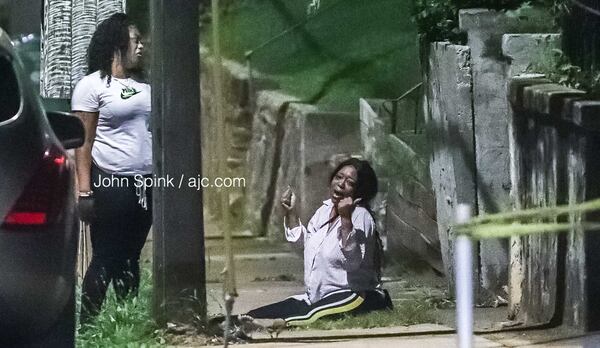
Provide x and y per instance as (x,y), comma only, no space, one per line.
(27,47)
(10,96)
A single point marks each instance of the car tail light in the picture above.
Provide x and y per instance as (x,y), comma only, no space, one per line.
(41,202)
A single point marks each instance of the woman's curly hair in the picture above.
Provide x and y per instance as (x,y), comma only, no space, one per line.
(112,35)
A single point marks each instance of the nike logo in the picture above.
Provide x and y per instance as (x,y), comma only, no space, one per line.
(128,92)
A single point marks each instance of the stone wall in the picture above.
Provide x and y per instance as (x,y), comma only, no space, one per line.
(520,50)
(311,145)
(485,29)
(239,96)
(264,157)
(469,106)
(556,139)
(406,213)
(535,145)
(452,163)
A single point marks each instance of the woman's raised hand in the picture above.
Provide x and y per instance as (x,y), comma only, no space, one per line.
(346,206)
(288,202)
(288,199)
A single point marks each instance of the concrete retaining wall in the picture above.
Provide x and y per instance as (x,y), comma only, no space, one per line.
(264,157)
(520,50)
(239,108)
(535,145)
(311,142)
(407,218)
(556,138)
(450,123)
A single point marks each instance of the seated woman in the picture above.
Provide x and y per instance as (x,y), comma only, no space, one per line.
(342,251)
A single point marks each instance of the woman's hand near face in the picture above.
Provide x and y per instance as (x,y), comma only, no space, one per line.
(346,206)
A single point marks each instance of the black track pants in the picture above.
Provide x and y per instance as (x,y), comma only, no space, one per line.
(298,312)
(118,234)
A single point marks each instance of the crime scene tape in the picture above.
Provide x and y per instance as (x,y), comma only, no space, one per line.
(527,221)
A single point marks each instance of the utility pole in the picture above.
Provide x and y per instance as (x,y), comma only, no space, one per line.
(178,268)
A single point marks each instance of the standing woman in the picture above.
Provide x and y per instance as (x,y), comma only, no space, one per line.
(116,155)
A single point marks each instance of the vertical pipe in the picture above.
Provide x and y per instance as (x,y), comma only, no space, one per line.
(463,258)
(229,291)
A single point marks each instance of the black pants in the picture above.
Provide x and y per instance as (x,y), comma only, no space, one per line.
(118,234)
(297,312)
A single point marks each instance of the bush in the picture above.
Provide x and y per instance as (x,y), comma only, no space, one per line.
(437,20)
(558,68)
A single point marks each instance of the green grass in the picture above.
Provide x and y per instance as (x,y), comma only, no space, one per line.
(361,48)
(409,312)
(124,324)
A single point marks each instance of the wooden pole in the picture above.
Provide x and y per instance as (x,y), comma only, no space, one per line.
(179,267)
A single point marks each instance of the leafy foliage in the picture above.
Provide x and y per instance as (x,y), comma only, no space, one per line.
(437,20)
(558,68)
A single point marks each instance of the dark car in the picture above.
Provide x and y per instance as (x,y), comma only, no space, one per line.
(39,227)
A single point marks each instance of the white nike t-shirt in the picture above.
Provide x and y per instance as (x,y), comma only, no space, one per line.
(123,143)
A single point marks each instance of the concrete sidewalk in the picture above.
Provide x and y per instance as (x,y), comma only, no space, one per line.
(428,341)
(423,340)
(267,272)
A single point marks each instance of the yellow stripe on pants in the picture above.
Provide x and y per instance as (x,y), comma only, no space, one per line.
(335,310)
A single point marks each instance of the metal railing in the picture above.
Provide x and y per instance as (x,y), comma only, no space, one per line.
(415,123)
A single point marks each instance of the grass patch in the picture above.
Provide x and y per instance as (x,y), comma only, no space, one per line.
(409,312)
(355,49)
(124,324)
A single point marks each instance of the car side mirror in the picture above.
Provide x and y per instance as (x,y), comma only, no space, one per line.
(68,128)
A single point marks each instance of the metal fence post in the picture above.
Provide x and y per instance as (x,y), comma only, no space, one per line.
(463,258)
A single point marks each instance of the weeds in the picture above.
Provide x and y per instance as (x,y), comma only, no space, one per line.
(125,323)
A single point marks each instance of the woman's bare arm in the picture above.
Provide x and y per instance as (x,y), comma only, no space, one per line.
(83,154)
